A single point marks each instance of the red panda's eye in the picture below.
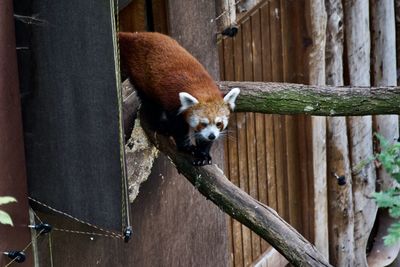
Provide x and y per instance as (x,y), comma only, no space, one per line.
(203,124)
(219,124)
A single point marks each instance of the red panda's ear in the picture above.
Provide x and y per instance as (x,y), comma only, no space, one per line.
(230,97)
(187,101)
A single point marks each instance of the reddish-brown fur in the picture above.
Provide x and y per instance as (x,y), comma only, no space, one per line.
(160,68)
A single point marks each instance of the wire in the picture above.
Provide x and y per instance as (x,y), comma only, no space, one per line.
(109,233)
(26,247)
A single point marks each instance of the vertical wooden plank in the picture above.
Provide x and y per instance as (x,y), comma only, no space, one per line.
(242,150)
(225,138)
(266,46)
(294,183)
(305,158)
(289,19)
(232,153)
(340,198)
(275,17)
(384,73)
(160,20)
(357,36)
(12,159)
(317,20)
(277,76)
(259,118)
(384,69)
(299,60)
(250,126)
(133,17)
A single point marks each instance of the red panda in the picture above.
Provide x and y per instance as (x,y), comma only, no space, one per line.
(179,88)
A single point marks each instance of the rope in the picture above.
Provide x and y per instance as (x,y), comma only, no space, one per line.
(125,199)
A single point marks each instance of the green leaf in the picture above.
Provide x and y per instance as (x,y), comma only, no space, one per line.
(5,218)
(394,234)
(6,200)
(387,199)
(395,212)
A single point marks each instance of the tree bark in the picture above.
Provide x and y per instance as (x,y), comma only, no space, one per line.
(213,184)
(286,98)
(317,19)
(341,213)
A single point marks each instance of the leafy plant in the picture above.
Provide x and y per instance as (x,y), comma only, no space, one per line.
(4,216)
(389,157)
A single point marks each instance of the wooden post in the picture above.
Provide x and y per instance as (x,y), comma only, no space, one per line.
(360,128)
(383,35)
(341,213)
(12,159)
(317,23)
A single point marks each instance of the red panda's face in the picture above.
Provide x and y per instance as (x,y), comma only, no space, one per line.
(208,120)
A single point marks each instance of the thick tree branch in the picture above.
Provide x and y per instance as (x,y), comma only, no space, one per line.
(286,98)
(212,183)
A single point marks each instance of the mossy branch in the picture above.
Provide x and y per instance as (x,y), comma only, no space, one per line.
(286,98)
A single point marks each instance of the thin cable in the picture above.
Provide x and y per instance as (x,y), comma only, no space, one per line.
(26,247)
(74,218)
(86,233)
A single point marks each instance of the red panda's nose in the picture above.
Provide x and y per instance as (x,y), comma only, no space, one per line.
(211,136)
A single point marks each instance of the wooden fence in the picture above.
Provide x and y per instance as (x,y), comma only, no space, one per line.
(268,156)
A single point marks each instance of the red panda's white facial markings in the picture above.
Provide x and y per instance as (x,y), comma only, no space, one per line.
(208,120)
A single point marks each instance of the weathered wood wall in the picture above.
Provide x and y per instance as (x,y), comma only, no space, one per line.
(269,156)
(271,151)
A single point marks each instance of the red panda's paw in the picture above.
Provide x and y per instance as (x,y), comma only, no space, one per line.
(201,159)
